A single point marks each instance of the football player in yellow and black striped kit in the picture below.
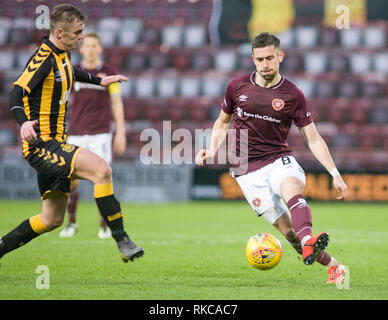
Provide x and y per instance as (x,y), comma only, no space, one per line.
(39,101)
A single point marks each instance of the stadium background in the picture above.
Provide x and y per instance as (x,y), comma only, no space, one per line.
(179,56)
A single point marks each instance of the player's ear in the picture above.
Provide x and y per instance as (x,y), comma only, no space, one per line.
(281,55)
(58,32)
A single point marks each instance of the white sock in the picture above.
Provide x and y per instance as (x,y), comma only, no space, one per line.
(333,262)
(305,238)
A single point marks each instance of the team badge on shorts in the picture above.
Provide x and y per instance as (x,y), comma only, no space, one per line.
(68,147)
(277,104)
(256,202)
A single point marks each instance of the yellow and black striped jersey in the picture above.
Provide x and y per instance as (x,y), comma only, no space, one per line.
(47,79)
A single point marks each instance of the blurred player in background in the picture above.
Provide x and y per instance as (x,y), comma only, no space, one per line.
(264,104)
(39,101)
(92,110)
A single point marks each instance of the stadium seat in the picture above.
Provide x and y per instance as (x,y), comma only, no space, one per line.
(190,87)
(154,110)
(7,58)
(338,62)
(315,62)
(306,37)
(181,59)
(5,24)
(371,89)
(307,86)
(22,57)
(350,38)
(127,87)
(197,111)
(172,35)
(194,36)
(287,38)
(133,109)
(151,36)
(130,32)
(7,133)
(225,60)
(325,89)
(213,85)
(159,60)
(379,115)
(202,60)
(348,88)
(292,63)
(360,63)
(374,37)
(166,86)
(380,62)
(21,31)
(137,61)
(108,37)
(329,37)
(176,109)
(144,86)
(366,136)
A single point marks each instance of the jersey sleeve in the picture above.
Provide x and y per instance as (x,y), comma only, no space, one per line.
(302,115)
(37,69)
(228,104)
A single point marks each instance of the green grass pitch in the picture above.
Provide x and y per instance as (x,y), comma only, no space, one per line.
(195,251)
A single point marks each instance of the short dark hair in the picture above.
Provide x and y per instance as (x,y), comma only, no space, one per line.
(65,13)
(264,40)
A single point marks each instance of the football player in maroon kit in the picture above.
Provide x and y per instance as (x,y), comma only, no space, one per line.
(91,113)
(261,107)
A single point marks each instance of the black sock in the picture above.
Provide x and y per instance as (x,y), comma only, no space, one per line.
(111,212)
(19,236)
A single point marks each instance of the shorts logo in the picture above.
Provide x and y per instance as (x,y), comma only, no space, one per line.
(256,202)
(277,104)
(68,147)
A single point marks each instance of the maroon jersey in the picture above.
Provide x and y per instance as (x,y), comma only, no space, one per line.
(90,111)
(267,115)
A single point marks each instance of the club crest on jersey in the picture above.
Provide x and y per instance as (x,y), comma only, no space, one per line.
(242,98)
(277,104)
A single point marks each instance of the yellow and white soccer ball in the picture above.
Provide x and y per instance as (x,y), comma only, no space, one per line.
(263,251)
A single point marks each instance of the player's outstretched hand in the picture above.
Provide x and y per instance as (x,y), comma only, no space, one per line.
(341,187)
(106,81)
(202,156)
(27,131)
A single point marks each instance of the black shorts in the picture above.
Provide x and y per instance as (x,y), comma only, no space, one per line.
(54,163)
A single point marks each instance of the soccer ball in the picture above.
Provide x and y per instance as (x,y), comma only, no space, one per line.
(263,251)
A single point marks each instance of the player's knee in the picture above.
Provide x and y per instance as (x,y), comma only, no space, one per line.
(53,222)
(104,173)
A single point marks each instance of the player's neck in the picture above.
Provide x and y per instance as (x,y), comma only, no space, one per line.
(267,84)
(91,64)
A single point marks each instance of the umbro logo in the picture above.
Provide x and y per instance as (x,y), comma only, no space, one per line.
(242,98)
(308,114)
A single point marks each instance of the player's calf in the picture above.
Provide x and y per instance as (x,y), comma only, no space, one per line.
(22,234)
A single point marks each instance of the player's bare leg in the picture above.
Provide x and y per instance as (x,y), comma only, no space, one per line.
(72,227)
(91,167)
(284,225)
(53,212)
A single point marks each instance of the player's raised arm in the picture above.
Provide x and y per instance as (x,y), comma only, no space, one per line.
(220,129)
(83,76)
(321,152)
